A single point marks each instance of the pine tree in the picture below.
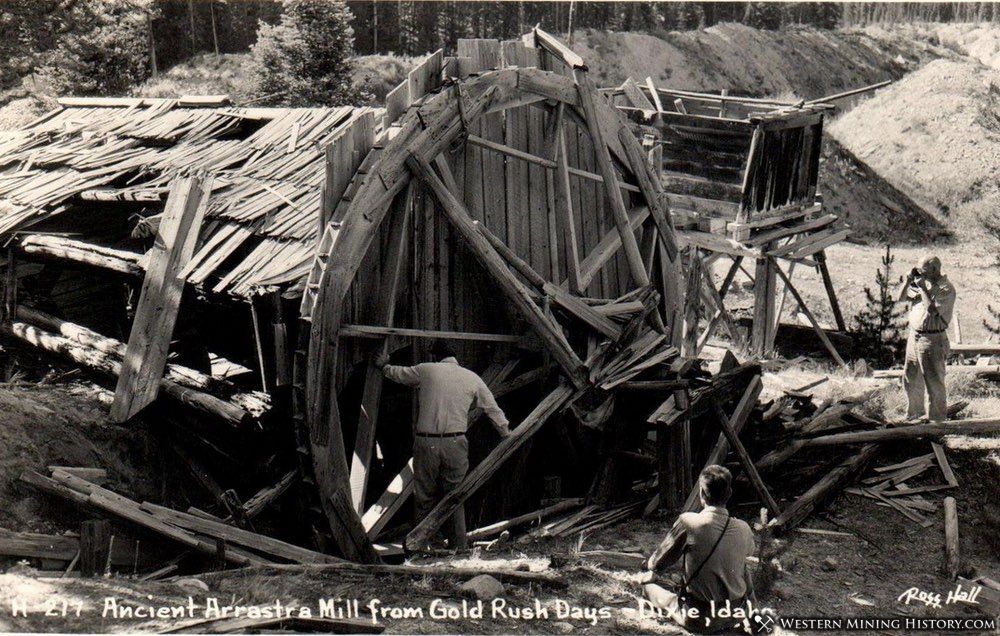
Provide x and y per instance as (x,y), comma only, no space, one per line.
(878,328)
(305,59)
(102,51)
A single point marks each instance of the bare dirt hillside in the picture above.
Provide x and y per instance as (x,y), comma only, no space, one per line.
(877,211)
(800,61)
(63,425)
(935,135)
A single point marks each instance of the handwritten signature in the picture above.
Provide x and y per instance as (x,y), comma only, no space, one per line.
(933,599)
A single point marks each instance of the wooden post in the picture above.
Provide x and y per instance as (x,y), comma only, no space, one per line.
(824,271)
(282,359)
(951,551)
(763,304)
(160,298)
(805,309)
(95,546)
(9,307)
(745,461)
(692,303)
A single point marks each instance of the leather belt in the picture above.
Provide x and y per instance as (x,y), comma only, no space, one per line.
(930,332)
(440,434)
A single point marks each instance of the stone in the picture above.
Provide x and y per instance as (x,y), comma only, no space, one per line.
(192,586)
(483,587)
(784,592)
(829,564)
(563,627)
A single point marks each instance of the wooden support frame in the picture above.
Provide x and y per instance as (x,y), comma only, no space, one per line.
(745,461)
(493,262)
(812,319)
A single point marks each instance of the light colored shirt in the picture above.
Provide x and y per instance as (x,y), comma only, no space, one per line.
(936,315)
(723,576)
(447,393)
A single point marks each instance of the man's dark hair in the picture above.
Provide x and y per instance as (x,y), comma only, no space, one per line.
(716,484)
(441,350)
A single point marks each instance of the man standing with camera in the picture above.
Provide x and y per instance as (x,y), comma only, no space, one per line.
(932,300)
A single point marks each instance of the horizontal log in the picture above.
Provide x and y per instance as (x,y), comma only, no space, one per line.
(829,485)
(110,365)
(983,349)
(676,183)
(991,369)
(29,545)
(373,331)
(60,247)
(914,431)
(494,529)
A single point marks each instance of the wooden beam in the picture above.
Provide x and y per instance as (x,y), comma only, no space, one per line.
(375,331)
(494,264)
(831,291)
(564,207)
(111,365)
(395,259)
(828,486)
(934,430)
(779,309)
(745,461)
(160,298)
(553,402)
(951,545)
(805,309)
(395,495)
(541,161)
(607,247)
(586,91)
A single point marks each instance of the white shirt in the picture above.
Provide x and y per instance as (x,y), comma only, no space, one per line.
(448,392)
(937,315)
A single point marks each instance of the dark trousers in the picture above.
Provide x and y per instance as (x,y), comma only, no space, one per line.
(439,466)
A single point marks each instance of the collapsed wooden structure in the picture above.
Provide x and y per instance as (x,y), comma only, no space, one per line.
(740,176)
(498,201)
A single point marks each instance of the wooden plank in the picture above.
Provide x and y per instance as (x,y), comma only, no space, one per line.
(160,298)
(942,460)
(586,91)
(493,262)
(238,536)
(395,259)
(554,401)
(495,529)
(564,208)
(828,486)
(812,319)
(426,76)
(396,493)
(635,95)
(745,461)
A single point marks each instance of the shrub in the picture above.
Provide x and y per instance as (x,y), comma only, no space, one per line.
(305,59)
(105,53)
(878,327)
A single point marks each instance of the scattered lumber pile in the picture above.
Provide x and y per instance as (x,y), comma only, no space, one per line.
(193,531)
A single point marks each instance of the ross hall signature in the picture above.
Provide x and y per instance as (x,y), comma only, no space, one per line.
(933,599)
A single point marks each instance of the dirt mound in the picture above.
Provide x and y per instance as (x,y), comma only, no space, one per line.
(877,211)
(63,425)
(935,135)
(800,61)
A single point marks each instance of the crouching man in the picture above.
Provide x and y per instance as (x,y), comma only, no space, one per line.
(714,548)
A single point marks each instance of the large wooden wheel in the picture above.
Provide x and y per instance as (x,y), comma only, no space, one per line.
(411,182)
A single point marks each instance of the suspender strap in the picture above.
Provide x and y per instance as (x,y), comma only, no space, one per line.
(701,565)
